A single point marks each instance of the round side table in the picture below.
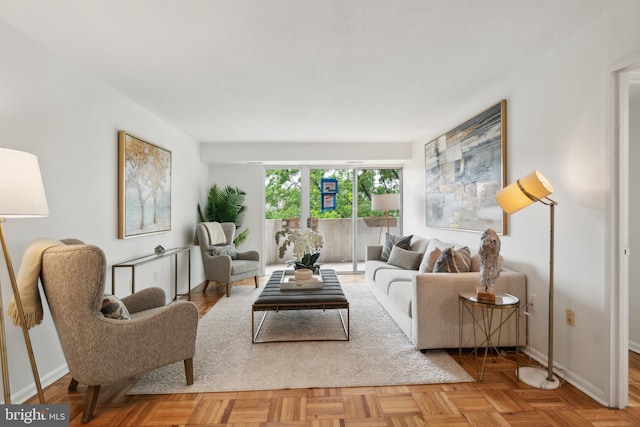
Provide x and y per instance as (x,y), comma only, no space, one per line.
(507,305)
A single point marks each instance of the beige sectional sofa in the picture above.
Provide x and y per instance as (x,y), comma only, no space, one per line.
(425,305)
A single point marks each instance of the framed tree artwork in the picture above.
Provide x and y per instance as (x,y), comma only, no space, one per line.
(144,187)
(464,169)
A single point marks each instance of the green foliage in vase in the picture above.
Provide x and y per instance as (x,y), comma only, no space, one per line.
(226,205)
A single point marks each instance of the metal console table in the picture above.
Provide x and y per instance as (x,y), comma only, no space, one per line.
(136,262)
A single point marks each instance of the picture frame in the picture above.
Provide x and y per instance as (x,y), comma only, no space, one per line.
(144,187)
(328,201)
(464,169)
(329,185)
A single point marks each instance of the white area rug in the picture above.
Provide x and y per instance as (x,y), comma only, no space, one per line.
(377,354)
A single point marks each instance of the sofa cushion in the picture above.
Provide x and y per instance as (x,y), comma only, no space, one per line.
(454,261)
(400,294)
(391,240)
(429,261)
(437,244)
(419,244)
(403,258)
(386,276)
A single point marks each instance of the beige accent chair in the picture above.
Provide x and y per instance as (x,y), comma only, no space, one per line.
(221,268)
(101,350)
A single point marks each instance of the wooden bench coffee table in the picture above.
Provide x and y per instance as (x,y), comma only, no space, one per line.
(329,297)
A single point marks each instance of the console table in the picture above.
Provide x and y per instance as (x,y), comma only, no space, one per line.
(137,262)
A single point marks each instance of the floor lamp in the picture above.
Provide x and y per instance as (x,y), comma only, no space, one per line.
(21,196)
(385,203)
(534,188)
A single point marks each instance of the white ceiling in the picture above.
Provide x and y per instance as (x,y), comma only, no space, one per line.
(301,70)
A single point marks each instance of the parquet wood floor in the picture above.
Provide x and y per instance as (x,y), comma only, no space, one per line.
(498,401)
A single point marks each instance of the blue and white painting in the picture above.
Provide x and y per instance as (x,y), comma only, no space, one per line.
(464,169)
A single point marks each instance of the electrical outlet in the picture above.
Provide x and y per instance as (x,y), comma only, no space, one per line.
(571,317)
(532,302)
(155,276)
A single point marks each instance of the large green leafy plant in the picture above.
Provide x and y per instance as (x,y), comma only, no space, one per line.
(226,205)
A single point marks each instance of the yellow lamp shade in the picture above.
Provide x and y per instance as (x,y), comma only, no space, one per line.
(524,192)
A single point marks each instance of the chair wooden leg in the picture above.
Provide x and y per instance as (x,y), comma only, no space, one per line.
(256,280)
(73,385)
(188,369)
(206,285)
(90,403)
(228,289)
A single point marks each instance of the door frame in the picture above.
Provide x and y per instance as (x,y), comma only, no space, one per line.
(617,236)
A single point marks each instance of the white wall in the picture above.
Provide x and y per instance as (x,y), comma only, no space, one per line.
(557,113)
(70,121)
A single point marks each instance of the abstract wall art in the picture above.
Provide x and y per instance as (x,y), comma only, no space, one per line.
(464,169)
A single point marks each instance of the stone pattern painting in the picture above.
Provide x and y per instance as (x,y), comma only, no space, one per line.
(465,168)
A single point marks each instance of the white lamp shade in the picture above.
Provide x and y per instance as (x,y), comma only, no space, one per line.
(385,202)
(21,189)
(512,198)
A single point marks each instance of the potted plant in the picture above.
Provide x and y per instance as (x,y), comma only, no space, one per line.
(306,247)
(226,205)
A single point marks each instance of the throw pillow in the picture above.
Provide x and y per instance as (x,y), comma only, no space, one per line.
(409,260)
(113,308)
(224,250)
(391,240)
(429,261)
(453,261)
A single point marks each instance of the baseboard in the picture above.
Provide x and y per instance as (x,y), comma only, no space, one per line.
(634,346)
(575,380)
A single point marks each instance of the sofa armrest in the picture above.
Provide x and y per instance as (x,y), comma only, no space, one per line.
(435,316)
(248,255)
(374,252)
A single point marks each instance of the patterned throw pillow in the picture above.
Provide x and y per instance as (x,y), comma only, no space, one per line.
(409,260)
(403,242)
(429,261)
(454,261)
(113,308)
(224,250)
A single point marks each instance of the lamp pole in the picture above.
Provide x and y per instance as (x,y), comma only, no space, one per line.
(550,376)
(25,332)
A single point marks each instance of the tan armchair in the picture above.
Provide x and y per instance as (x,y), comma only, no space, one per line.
(101,350)
(222,268)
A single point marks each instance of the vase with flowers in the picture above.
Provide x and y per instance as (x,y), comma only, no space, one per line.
(306,245)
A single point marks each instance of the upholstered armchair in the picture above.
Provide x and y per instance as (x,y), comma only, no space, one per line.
(226,268)
(98,349)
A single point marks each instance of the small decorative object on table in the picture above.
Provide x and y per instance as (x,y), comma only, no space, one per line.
(489,269)
(159,250)
(306,247)
(303,278)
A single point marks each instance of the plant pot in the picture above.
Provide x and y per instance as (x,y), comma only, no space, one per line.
(303,274)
